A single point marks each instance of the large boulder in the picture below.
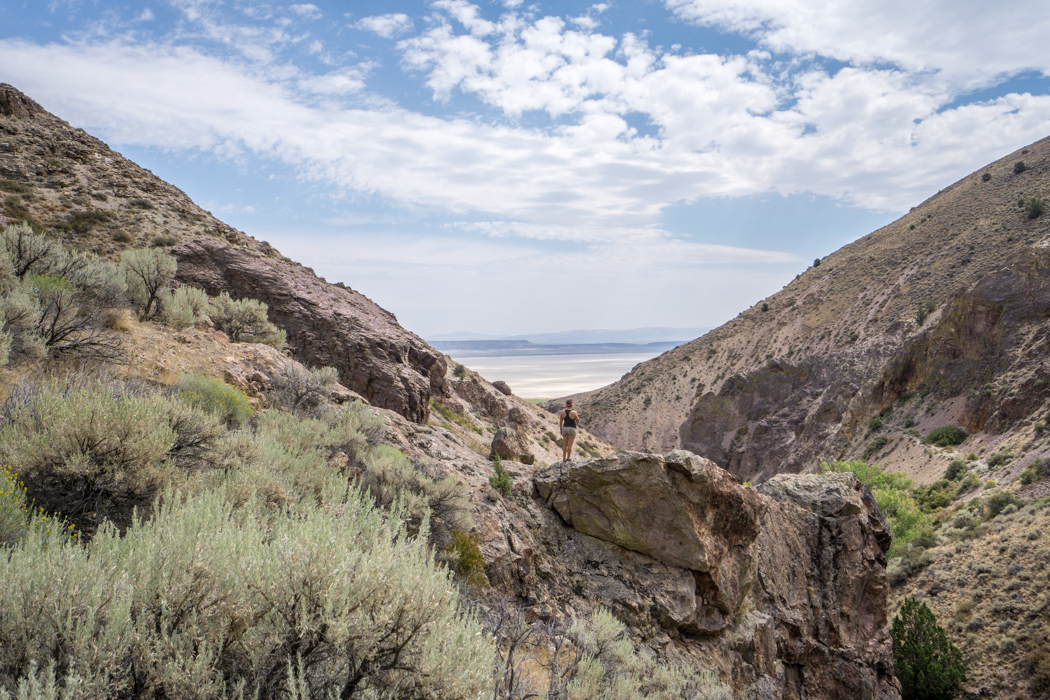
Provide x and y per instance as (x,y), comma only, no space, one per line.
(683,511)
(509,444)
(785,583)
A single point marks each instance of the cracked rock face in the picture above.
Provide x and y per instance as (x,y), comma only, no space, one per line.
(327,324)
(785,583)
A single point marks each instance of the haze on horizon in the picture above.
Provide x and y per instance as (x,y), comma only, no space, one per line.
(510,168)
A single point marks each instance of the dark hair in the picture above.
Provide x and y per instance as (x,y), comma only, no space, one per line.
(568,402)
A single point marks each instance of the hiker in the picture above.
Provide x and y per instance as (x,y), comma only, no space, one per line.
(569,420)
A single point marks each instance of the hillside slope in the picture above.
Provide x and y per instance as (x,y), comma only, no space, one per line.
(72,185)
(779,390)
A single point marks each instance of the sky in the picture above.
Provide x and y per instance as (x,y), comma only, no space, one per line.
(513,167)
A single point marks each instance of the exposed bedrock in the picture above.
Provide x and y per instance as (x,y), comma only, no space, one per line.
(327,324)
(783,586)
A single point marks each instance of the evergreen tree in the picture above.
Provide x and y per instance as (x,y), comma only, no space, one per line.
(928,666)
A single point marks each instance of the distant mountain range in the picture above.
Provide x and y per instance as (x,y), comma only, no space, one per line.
(508,348)
(633,336)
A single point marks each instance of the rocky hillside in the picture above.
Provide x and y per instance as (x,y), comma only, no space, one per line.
(939,318)
(778,591)
(73,186)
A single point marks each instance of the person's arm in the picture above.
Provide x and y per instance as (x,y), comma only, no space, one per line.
(561,419)
(576,417)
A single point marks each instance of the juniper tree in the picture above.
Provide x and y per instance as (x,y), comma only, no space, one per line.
(928,666)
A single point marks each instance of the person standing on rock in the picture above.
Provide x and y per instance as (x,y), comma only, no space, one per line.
(569,421)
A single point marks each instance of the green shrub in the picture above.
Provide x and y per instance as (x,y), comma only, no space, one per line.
(1038,469)
(453,417)
(997,502)
(1034,207)
(245,321)
(82,222)
(286,458)
(19,317)
(875,445)
(13,512)
(969,483)
(205,599)
(228,403)
(765,306)
(1000,458)
(500,478)
(956,468)
(148,273)
(894,494)
(1020,167)
(920,315)
(928,666)
(184,307)
(946,436)
(874,424)
(469,564)
(986,177)
(816,262)
(294,386)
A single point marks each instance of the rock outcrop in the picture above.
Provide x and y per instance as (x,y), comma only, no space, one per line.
(327,324)
(785,584)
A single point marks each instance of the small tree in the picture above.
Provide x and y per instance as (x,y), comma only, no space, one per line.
(1020,167)
(148,272)
(928,666)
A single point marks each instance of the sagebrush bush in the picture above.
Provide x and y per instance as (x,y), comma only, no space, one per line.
(148,272)
(1034,207)
(608,665)
(999,458)
(946,436)
(184,307)
(245,321)
(228,403)
(27,250)
(285,458)
(209,601)
(92,450)
(294,386)
(391,478)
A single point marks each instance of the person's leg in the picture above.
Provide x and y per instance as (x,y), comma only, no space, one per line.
(569,441)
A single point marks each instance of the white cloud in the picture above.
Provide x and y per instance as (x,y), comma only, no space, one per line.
(145,16)
(967,43)
(386,26)
(306,10)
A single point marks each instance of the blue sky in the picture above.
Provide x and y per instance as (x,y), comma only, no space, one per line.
(513,167)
